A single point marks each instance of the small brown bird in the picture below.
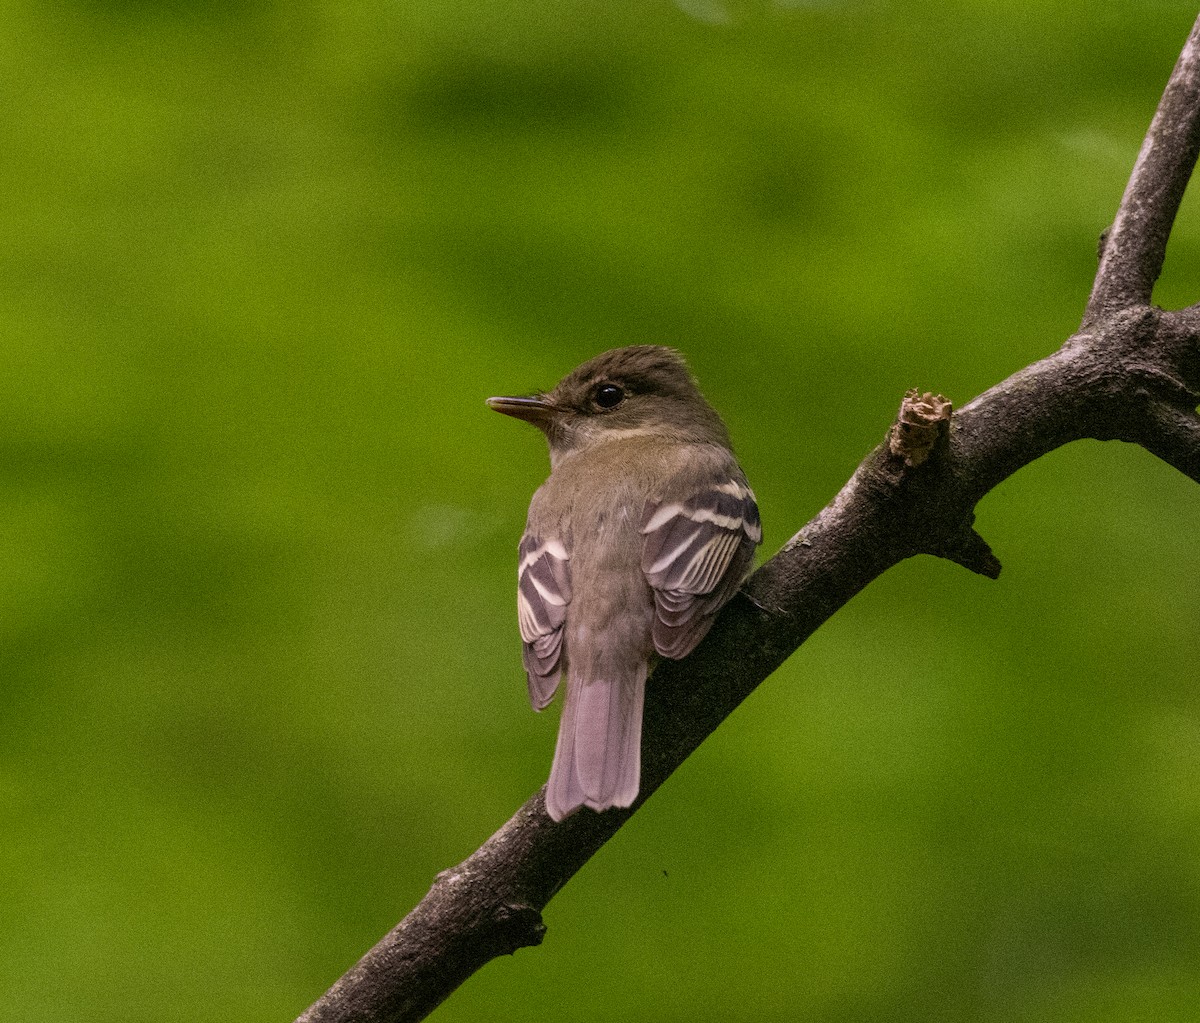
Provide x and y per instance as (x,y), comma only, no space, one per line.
(645,528)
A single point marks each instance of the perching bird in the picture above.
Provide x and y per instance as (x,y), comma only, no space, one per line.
(645,528)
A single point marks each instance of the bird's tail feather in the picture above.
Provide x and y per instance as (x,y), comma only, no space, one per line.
(598,760)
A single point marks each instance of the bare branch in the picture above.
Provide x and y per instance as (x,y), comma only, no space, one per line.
(1132,373)
(974,553)
(1174,436)
(1134,247)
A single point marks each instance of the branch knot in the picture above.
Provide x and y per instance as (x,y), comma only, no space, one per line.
(515,926)
(922,419)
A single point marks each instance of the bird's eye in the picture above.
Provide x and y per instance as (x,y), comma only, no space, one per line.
(609,396)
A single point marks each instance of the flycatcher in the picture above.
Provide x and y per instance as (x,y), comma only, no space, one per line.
(645,528)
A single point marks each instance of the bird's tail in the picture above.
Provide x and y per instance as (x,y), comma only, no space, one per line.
(598,760)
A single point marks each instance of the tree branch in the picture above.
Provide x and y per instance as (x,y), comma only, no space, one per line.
(1133,249)
(1131,373)
(1174,436)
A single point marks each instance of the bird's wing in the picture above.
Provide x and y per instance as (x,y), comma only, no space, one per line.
(543,592)
(697,549)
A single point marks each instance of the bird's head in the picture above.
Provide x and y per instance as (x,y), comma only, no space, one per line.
(640,390)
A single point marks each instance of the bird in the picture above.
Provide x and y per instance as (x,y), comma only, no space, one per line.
(644,529)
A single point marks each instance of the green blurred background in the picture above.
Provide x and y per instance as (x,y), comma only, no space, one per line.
(259,665)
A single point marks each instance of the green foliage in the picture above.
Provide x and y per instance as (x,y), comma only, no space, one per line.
(259,667)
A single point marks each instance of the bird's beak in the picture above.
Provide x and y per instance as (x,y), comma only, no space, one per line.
(536,410)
